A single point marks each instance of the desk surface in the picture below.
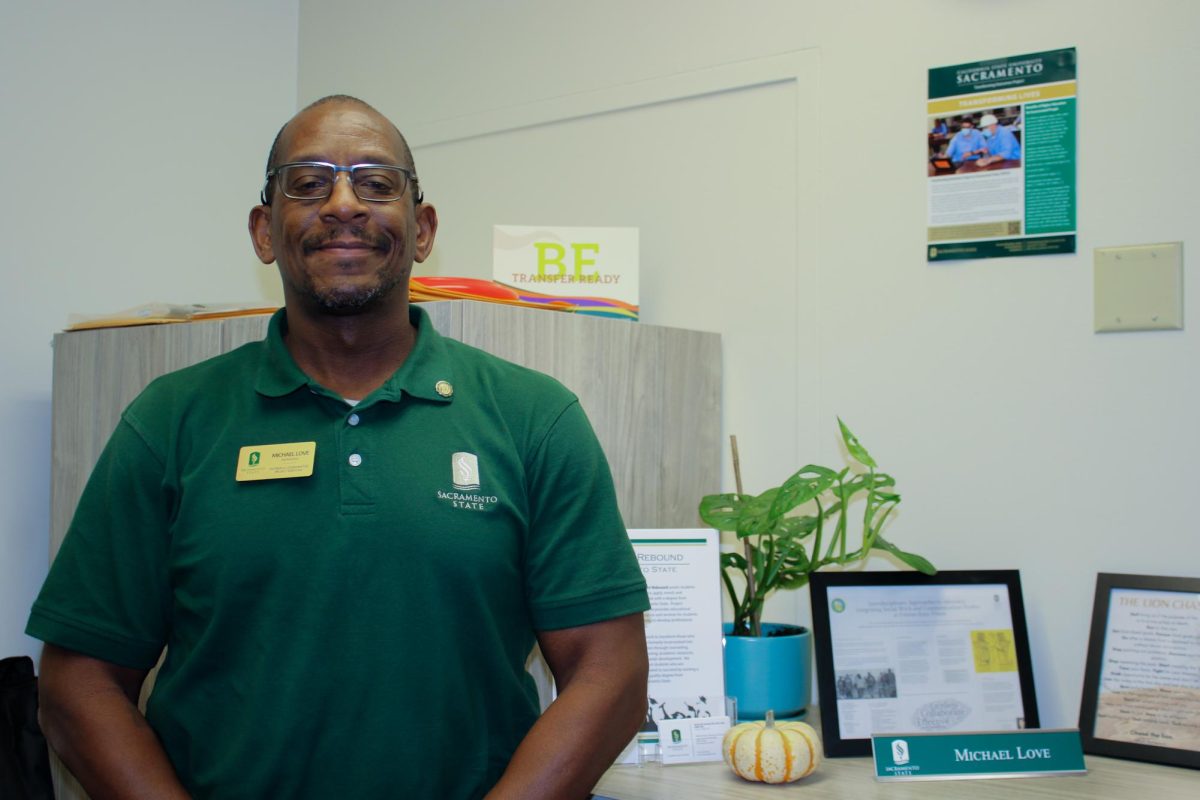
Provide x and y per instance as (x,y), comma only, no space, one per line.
(853,779)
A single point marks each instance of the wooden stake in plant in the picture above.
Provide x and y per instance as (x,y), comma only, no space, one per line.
(755,624)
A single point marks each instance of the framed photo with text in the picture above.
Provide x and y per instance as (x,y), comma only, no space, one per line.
(1141,685)
(902,652)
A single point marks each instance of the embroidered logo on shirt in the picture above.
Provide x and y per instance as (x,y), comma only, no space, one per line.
(464,468)
(464,475)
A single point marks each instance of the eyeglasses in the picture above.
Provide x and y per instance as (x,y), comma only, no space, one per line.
(313,180)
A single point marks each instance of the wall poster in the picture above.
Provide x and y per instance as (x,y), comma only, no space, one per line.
(1001,171)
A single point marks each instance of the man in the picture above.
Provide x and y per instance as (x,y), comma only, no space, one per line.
(360,631)
(967,144)
(1002,144)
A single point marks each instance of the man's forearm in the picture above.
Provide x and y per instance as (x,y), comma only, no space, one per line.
(600,706)
(567,750)
(90,720)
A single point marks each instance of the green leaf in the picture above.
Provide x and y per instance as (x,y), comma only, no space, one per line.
(919,563)
(806,484)
(756,518)
(797,559)
(721,511)
(855,448)
(872,481)
(795,527)
(790,550)
(794,581)
(759,559)
(733,561)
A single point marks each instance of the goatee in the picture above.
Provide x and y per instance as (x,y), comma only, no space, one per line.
(351,300)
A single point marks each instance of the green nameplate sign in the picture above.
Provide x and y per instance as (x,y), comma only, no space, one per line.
(998,754)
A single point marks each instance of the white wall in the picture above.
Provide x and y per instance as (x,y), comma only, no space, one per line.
(1019,437)
(134,136)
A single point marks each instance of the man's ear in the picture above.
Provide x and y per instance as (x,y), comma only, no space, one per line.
(260,233)
(427,222)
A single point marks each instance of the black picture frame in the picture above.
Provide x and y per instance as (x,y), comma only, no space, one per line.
(1106,584)
(820,586)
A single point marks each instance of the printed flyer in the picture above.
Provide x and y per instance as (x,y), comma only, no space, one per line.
(929,658)
(683,630)
(1001,171)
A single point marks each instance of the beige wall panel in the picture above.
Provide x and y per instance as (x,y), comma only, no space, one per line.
(652,393)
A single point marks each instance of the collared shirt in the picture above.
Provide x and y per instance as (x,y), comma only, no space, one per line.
(963,143)
(1004,144)
(339,634)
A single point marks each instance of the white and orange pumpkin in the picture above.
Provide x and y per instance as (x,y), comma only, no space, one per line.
(772,752)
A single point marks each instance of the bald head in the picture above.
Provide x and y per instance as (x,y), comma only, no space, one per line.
(329,104)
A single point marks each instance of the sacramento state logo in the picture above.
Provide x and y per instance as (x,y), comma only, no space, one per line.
(464,476)
(465,471)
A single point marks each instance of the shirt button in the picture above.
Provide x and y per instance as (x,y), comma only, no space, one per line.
(355,459)
(352,419)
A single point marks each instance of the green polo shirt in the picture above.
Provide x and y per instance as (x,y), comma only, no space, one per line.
(361,631)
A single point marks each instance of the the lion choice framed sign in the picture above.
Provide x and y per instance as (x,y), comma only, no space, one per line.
(1141,687)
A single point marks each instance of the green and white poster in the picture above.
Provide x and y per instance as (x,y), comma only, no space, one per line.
(1001,173)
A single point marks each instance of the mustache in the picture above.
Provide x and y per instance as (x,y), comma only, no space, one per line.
(355,232)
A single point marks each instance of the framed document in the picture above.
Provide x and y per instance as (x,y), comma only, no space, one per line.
(1141,686)
(902,652)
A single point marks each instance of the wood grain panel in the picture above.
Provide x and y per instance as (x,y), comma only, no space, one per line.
(652,393)
(96,375)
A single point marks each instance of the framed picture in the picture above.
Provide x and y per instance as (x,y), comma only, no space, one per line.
(1141,686)
(902,652)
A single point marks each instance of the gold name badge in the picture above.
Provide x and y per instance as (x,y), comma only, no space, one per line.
(268,462)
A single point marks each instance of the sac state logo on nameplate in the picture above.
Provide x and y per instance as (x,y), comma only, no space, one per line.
(467,491)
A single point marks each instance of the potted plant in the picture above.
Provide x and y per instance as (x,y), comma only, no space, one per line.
(787,533)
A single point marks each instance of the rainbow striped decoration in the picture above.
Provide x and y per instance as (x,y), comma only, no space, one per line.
(449,288)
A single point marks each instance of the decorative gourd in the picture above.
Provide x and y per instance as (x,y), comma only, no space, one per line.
(772,752)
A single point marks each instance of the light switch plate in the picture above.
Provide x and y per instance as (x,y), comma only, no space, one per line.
(1139,287)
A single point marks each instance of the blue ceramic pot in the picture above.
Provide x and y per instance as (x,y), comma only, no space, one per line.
(769,673)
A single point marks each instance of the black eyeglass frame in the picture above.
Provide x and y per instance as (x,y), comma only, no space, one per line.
(410,178)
